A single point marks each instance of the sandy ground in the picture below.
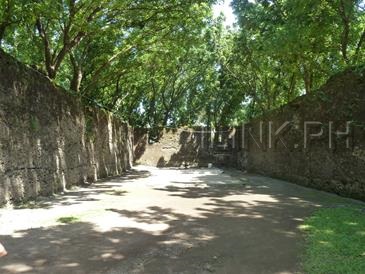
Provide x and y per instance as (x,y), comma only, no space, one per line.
(164,221)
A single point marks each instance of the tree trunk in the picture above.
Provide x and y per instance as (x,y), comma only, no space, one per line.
(76,79)
(76,75)
(166,118)
(291,89)
(308,80)
(2,33)
(345,32)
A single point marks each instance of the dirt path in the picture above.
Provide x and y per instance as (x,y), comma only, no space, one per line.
(164,221)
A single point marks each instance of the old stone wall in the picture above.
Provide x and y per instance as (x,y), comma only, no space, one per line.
(49,141)
(172,148)
(317,141)
(184,147)
(309,141)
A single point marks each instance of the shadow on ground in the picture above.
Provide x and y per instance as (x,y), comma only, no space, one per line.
(87,193)
(249,226)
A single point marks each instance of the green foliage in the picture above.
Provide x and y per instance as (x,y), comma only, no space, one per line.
(170,63)
(286,48)
(336,241)
(148,61)
(68,220)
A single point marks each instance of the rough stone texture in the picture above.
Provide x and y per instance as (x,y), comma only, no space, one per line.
(174,148)
(49,141)
(339,169)
(184,147)
(335,169)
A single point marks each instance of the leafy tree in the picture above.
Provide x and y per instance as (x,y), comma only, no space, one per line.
(169,63)
(292,47)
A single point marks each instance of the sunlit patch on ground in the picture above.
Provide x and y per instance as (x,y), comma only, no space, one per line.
(336,241)
(165,220)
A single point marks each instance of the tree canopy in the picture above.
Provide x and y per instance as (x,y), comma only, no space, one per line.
(171,63)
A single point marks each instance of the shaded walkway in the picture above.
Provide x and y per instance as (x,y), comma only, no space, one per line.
(164,221)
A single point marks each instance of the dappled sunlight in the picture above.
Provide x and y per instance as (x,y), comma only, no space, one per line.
(361,233)
(18,234)
(110,221)
(251,199)
(86,248)
(184,239)
(17,268)
(325,243)
(203,92)
(112,256)
(351,223)
(333,233)
(288,234)
(164,176)
(69,265)
(328,231)
(159,216)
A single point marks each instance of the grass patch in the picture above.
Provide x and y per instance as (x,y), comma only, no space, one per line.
(335,241)
(68,220)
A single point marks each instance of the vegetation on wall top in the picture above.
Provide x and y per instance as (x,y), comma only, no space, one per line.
(171,63)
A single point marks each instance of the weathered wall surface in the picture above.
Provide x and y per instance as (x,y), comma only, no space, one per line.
(339,167)
(184,146)
(174,148)
(49,141)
